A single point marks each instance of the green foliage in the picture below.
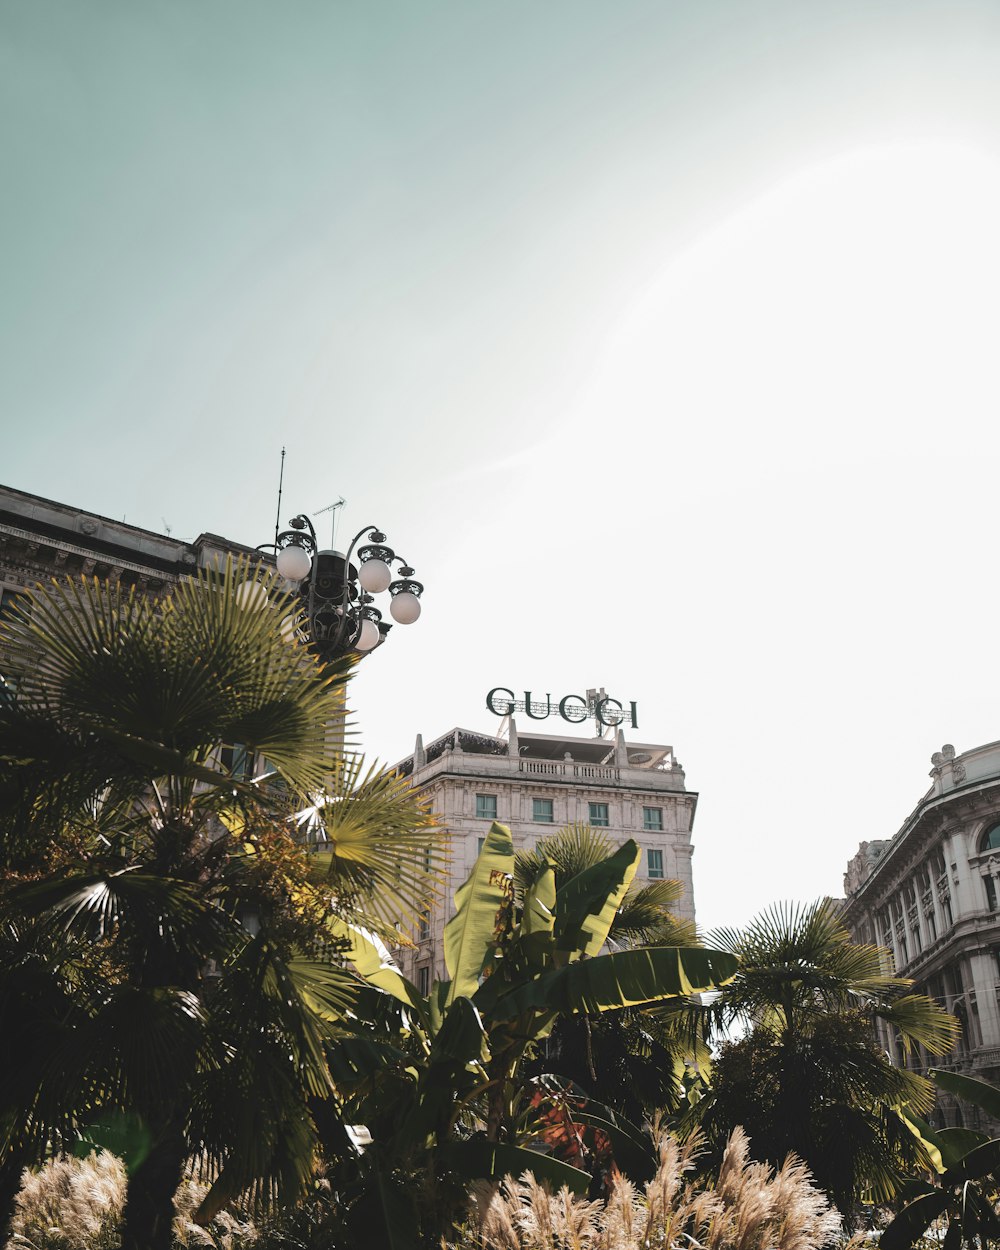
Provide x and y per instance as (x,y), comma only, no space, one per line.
(808,1076)
(470,935)
(967,1188)
(448,1100)
(165,960)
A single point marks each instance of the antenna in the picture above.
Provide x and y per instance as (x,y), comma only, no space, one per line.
(167,529)
(277,515)
(333,520)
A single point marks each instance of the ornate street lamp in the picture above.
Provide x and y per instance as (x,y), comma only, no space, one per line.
(338,596)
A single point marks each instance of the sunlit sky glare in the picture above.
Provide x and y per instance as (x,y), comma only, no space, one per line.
(659,337)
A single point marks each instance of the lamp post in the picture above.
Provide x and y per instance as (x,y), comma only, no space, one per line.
(339,595)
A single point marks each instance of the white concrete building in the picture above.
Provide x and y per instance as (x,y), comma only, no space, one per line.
(537,784)
(930,895)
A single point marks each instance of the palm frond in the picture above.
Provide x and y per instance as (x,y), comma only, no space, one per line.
(184,674)
(921,1021)
(645,916)
(573,850)
(151,914)
(376,842)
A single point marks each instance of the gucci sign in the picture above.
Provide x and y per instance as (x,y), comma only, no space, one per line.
(571,707)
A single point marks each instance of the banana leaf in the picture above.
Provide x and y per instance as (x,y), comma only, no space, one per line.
(538,914)
(969,1089)
(478,1159)
(373,961)
(587,904)
(909,1225)
(623,979)
(385,1215)
(469,936)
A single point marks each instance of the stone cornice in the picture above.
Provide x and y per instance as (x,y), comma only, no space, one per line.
(934,818)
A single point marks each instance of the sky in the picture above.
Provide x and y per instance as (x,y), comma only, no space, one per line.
(660,338)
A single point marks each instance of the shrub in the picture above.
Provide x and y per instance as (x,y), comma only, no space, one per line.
(750,1207)
(77,1204)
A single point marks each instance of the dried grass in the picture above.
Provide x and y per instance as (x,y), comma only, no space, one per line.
(750,1207)
(77,1204)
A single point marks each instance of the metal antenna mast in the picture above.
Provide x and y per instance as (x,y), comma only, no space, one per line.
(277,515)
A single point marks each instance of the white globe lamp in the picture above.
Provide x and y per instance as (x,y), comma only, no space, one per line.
(369,635)
(294,563)
(375,576)
(405,607)
(251,596)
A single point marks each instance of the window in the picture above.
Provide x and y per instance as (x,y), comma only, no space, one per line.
(424,980)
(652,818)
(915,933)
(237,761)
(424,928)
(541,811)
(931,924)
(654,863)
(946,908)
(8,598)
(480,843)
(991,893)
(486,807)
(990,840)
(599,815)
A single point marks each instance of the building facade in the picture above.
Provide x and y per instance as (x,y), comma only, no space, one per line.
(41,539)
(930,896)
(537,784)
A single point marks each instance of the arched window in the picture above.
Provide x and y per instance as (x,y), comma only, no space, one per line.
(990,840)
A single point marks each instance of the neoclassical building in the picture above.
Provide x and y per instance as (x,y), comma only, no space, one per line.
(40,539)
(538,783)
(930,895)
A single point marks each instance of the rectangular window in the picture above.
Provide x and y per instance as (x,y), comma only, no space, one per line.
(237,761)
(654,863)
(480,843)
(8,598)
(915,932)
(931,924)
(652,818)
(486,807)
(424,928)
(946,908)
(599,815)
(424,980)
(991,893)
(541,811)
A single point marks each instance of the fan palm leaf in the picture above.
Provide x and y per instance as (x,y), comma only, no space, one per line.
(377,843)
(135,857)
(183,674)
(810,1075)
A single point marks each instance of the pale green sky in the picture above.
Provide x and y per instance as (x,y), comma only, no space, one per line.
(660,337)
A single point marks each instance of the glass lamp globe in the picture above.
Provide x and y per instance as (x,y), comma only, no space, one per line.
(294,563)
(251,596)
(405,608)
(375,576)
(369,636)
